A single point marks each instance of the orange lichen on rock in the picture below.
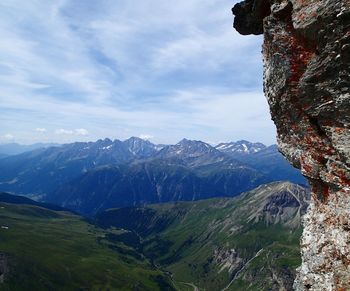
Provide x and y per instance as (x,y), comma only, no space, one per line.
(306,54)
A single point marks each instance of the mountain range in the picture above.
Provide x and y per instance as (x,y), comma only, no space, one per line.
(88,177)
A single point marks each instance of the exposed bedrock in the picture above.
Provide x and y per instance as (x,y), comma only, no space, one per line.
(306,55)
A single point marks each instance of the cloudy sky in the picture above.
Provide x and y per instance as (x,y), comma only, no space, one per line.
(84,69)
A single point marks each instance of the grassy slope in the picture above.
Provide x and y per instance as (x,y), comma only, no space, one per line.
(190,256)
(195,230)
(51,250)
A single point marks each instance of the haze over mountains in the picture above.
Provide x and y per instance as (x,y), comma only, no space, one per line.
(91,176)
(10,149)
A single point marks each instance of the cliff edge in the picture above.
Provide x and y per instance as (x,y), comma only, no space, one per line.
(306,55)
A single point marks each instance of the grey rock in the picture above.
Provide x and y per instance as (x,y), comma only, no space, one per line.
(4,267)
(307,84)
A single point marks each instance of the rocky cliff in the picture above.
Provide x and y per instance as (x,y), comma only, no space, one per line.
(3,267)
(306,55)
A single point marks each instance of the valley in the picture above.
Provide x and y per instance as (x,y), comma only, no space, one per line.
(250,242)
(57,250)
(132,215)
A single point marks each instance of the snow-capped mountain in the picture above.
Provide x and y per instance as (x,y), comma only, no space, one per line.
(197,154)
(240,147)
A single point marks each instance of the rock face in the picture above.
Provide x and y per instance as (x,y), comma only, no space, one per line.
(306,81)
(4,269)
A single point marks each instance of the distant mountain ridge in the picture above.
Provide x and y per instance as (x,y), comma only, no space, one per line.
(188,170)
(92,176)
(42,170)
(240,147)
(10,149)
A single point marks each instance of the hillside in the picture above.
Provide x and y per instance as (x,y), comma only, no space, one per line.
(42,249)
(149,182)
(251,241)
(245,243)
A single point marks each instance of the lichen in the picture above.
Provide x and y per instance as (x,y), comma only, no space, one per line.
(306,81)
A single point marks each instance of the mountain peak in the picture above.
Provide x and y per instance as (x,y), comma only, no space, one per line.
(136,138)
(140,147)
(189,142)
(277,202)
(192,146)
(240,147)
(105,141)
(185,141)
(193,152)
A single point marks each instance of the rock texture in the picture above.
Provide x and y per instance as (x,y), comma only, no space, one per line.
(4,268)
(306,81)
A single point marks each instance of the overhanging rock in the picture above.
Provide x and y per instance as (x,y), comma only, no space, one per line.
(306,55)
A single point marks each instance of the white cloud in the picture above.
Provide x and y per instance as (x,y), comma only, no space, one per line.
(78,131)
(8,136)
(40,129)
(64,131)
(81,131)
(146,136)
(119,69)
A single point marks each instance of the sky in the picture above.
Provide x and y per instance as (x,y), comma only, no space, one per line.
(80,70)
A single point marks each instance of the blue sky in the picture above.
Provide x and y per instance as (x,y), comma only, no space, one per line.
(82,70)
